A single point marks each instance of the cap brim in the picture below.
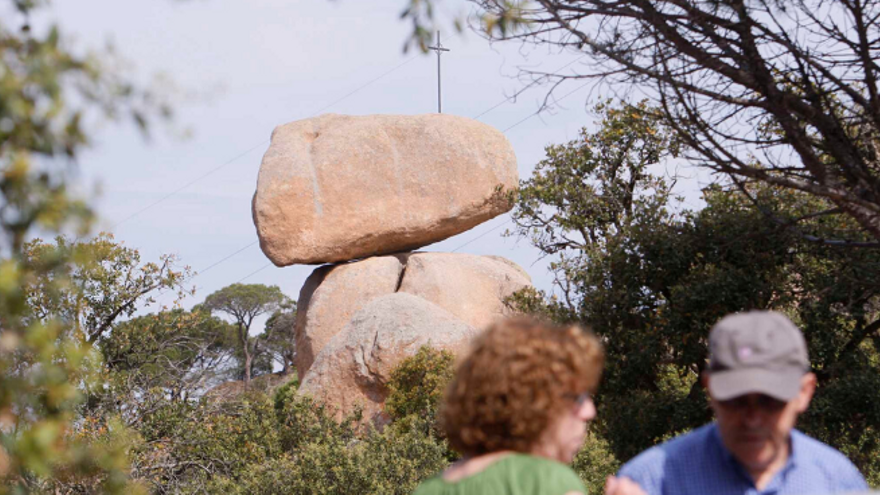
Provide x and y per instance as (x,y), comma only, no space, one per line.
(781,385)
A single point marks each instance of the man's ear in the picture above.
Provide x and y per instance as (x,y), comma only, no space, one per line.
(808,387)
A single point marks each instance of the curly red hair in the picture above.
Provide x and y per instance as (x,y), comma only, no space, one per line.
(519,375)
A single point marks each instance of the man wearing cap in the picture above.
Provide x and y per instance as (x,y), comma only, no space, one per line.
(758,381)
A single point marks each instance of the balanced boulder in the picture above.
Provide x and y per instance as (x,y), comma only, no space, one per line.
(337,188)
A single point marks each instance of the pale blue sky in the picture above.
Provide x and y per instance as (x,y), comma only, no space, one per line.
(242,68)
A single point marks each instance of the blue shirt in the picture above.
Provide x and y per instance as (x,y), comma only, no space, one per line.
(698,464)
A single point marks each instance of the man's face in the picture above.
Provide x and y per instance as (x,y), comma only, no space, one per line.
(755,428)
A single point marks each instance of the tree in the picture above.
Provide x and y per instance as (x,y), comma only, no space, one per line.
(279,339)
(46,90)
(651,278)
(244,303)
(780,92)
(164,357)
(110,283)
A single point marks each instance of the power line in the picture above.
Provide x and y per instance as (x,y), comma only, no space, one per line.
(320,110)
(251,274)
(181,188)
(252,148)
(225,258)
(539,110)
(466,243)
(536,81)
(484,234)
(268,264)
(218,168)
(367,84)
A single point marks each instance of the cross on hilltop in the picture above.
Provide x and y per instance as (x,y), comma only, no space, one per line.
(439,49)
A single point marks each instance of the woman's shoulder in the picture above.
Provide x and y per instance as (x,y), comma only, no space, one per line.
(431,486)
(511,474)
(549,467)
(547,476)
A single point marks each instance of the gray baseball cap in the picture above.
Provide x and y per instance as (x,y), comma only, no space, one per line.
(756,352)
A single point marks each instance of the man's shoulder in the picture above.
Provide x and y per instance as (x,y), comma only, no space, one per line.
(688,449)
(812,448)
(822,464)
(824,457)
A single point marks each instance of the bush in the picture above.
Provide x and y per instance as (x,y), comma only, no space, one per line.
(392,462)
(417,385)
(845,413)
(302,421)
(288,443)
(595,462)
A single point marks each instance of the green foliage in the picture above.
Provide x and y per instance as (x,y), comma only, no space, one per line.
(392,462)
(279,338)
(651,278)
(415,391)
(845,413)
(45,359)
(285,443)
(244,302)
(155,360)
(380,463)
(416,386)
(305,421)
(595,462)
(108,281)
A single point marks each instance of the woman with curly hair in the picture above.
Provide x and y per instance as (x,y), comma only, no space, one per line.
(517,410)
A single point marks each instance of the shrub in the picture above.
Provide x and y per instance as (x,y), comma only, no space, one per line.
(417,384)
(595,462)
(392,462)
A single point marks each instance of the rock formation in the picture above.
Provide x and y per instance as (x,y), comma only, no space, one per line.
(353,369)
(471,288)
(332,294)
(363,192)
(336,188)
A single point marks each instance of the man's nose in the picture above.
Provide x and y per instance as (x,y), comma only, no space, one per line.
(753,415)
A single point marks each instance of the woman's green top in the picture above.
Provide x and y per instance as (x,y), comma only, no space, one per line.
(514,474)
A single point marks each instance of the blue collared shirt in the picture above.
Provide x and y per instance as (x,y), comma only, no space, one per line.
(698,464)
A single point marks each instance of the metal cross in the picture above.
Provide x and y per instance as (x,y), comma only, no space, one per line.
(439,48)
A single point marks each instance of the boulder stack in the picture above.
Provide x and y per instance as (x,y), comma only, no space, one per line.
(362,193)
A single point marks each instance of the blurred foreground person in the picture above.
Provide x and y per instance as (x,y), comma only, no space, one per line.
(759,381)
(517,410)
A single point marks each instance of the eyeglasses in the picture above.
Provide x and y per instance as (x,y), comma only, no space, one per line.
(760,401)
(580,399)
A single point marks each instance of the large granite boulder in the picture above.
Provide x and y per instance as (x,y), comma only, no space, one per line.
(332,294)
(336,188)
(354,367)
(470,287)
